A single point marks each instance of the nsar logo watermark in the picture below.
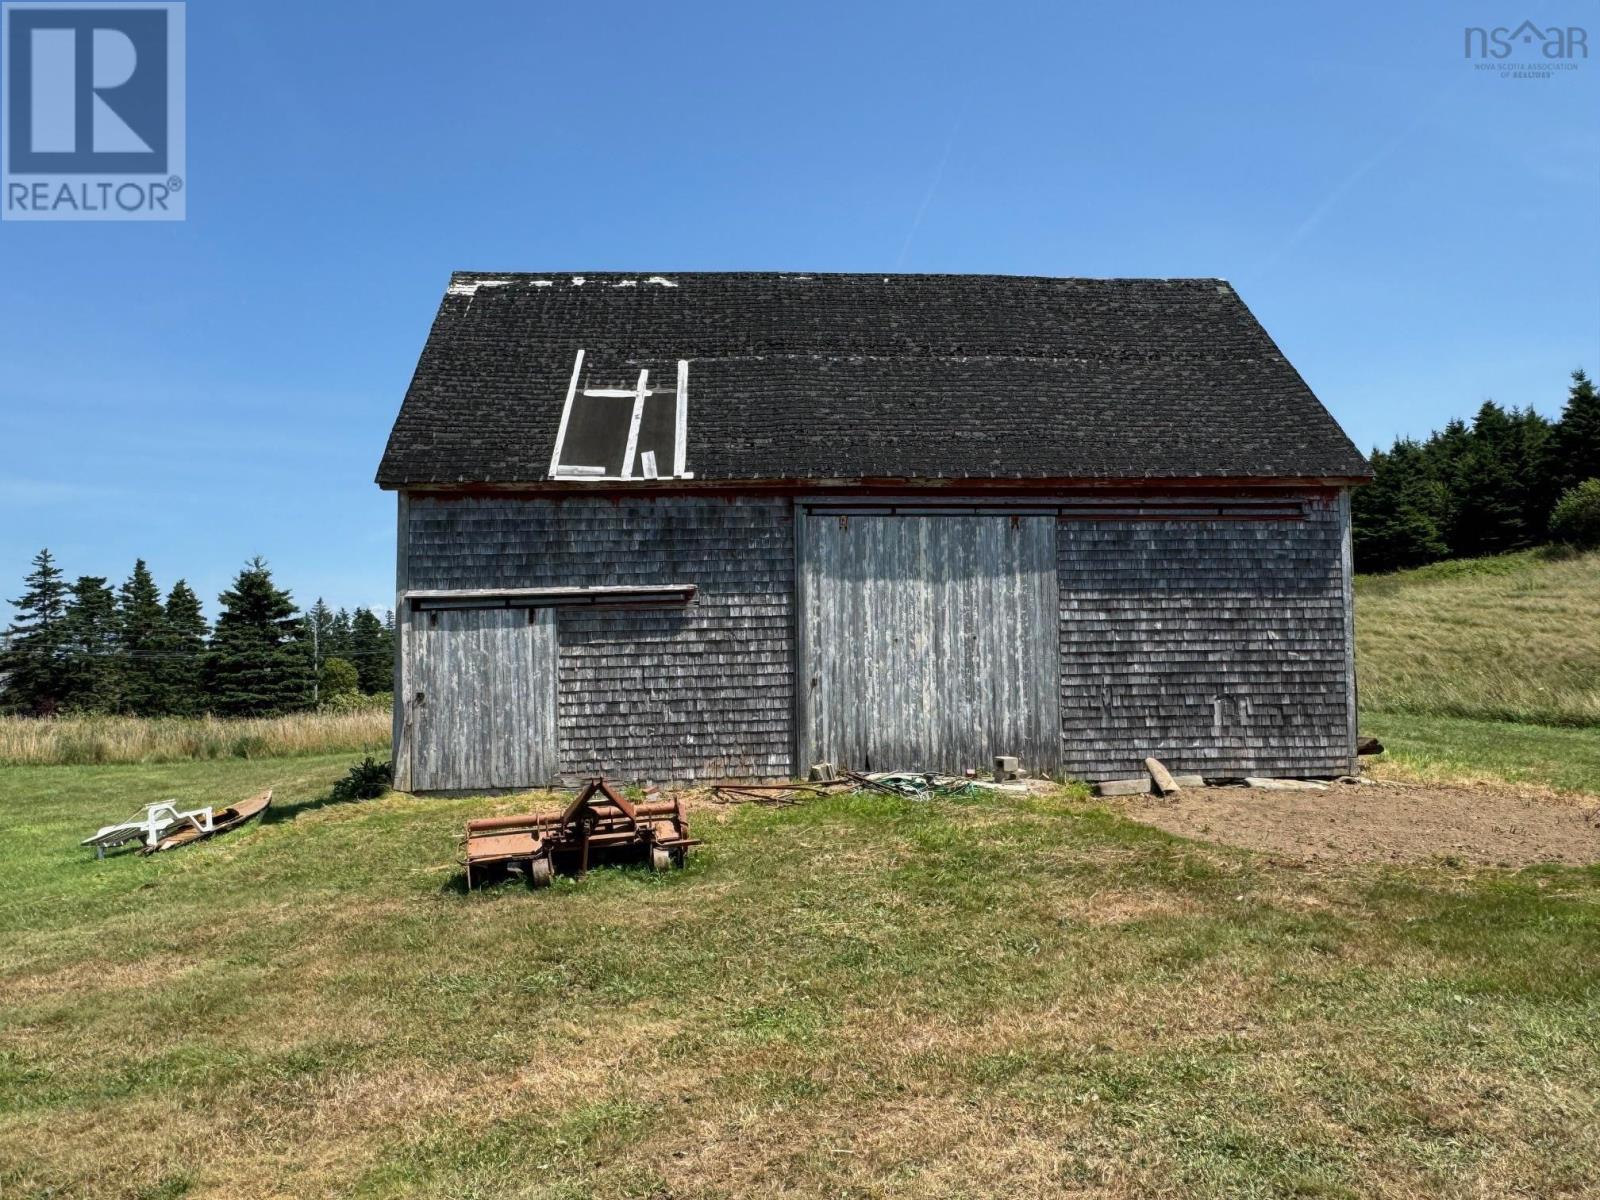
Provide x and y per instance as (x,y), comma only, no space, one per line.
(92,112)
(1541,52)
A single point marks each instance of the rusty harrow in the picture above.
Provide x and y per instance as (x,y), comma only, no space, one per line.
(599,826)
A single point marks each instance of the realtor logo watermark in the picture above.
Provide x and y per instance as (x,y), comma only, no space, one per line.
(92,112)
(1527,52)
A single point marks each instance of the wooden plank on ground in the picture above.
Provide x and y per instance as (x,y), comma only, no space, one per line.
(1161,777)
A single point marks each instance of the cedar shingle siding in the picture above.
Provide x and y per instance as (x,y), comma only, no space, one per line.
(702,692)
(1219,647)
(1194,491)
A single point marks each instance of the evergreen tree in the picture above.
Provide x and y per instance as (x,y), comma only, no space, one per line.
(1447,453)
(257,664)
(319,629)
(1490,517)
(314,634)
(393,646)
(93,651)
(341,643)
(1527,453)
(1573,452)
(372,652)
(184,650)
(144,644)
(34,662)
(1398,516)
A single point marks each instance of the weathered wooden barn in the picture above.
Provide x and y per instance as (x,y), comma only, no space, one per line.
(708,526)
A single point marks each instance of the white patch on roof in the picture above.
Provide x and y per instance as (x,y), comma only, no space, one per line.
(626,283)
(649,460)
(578,281)
(661,281)
(469,287)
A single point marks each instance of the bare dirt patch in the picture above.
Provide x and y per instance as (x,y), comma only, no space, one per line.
(1482,824)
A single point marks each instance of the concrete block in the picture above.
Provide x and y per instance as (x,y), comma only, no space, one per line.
(1123,787)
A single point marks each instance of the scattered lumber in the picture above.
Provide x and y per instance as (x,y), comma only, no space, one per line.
(918,785)
(771,793)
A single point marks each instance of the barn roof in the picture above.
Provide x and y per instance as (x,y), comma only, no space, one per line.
(851,377)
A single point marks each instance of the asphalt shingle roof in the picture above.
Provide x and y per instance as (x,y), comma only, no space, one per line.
(841,377)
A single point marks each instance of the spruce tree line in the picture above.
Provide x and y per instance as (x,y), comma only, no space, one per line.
(1483,488)
(85,647)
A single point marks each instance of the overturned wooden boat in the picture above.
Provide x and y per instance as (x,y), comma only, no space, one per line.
(222,820)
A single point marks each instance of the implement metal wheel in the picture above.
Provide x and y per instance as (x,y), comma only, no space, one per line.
(540,872)
(660,859)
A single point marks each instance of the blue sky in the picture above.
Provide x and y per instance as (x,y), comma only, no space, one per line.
(1417,235)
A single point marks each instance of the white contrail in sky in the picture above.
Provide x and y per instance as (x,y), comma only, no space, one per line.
(933,186)
(1346,185)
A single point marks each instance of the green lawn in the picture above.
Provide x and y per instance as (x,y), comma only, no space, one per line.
(1455,748)
(856,997)
(1486,667)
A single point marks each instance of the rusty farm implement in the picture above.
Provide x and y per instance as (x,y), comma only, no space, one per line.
(600,825)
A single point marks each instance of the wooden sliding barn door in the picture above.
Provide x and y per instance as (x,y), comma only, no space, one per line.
(928,642)
(483,698)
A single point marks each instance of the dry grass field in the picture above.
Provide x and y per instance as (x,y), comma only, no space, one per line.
(856,997)
(1514,638)
(75,741)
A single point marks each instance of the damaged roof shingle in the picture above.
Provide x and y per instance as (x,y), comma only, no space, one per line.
(840,377)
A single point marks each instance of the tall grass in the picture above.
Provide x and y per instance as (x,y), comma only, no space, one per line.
(73,741)
(1512,638)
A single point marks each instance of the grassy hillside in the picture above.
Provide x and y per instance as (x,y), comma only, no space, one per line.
(1514,638)
(859,996)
